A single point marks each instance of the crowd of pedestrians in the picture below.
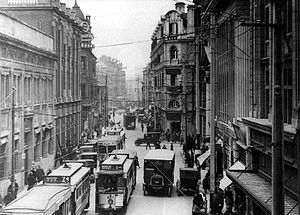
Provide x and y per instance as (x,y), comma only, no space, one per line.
(36,175)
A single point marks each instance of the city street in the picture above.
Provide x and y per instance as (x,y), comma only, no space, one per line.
(150,205)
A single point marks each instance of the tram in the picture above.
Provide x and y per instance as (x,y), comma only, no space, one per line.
(115,182)
(66,191)
(77,177)
(129,121)
(159,171)
(107,144)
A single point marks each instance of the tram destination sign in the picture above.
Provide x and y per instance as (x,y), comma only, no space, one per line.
(57,180)
(111,167)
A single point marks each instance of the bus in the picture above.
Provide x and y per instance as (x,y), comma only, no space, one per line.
(42,199)
(109,143)
(114,184)
(159,171)
(129,121)
(77,177)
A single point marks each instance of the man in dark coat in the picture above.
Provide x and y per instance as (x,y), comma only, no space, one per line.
(39,173)
(10,188)
(31,180)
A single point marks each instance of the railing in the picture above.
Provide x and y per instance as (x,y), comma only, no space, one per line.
(23,2)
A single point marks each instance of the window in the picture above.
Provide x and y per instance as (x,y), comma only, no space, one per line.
(50,143)
(173,28)
(37,147)
(83,91)
(173,80)
(83,62)
(2,157)
(44,144)
(267,90)
(287,95)
(173,53)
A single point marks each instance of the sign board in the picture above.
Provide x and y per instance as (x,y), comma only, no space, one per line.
(56,180)
(87,45)
(85,26)
(111,167)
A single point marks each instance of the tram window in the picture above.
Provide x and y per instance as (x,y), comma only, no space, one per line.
(121,182)
(111,148)
(109,182)
(102,149)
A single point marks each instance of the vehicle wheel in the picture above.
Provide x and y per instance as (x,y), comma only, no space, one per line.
(169,191)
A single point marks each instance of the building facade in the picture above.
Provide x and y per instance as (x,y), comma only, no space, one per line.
(173,70)
(25,66)
(242,66)
(110,72)
(62,23)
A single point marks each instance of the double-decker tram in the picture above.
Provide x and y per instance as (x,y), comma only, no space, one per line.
(77,177)
(115,181)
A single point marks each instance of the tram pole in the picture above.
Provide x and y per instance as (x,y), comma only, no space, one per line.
(13,140)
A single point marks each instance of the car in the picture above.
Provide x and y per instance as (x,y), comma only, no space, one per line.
(140,140)
(188,182)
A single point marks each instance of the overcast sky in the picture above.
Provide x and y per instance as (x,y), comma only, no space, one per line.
(121,21)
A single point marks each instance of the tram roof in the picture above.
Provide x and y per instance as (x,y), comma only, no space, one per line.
(160,154)
(109,138)
(130,152)
(122,161)
(68,169)
(111,160)
(34,203)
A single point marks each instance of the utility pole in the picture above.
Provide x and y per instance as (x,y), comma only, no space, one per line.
(277,122)
(13,140)
(105,103)
(184,119)
(297,142)
(198,26)
(212,108)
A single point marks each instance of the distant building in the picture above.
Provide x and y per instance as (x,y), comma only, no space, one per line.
(111,72)
(28,65)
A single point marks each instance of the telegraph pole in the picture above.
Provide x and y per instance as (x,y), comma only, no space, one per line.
(13,140)
(212,109)
(105,103)
(277,122)
(184,119)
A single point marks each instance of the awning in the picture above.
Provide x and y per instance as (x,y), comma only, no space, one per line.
(225,181)
(262,194)
(202,158)
(4,140)
(37,130)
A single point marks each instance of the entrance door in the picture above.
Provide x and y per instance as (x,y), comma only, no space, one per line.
(175,126)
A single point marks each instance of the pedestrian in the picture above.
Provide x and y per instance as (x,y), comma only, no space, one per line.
(206,184)
(148,144)
(198,200)
(10,187)
(39,173)
(228,198)
(142,126)
(172,147)
(164,147)
(31,180)
(168,135)
(8,198)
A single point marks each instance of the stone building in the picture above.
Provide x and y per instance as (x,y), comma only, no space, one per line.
(55,19)
(110,72)
(26,65)
(242,66)
(173,70)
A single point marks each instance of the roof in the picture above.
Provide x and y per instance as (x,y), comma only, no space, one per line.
(78,11)
(263,193)
(65,171)
(131,153)
(160,154)
(109,138)
(112,161)
(33,202)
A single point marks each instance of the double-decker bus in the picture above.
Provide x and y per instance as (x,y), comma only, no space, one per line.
(77,177)
(114,184)
(129,121)
(65,191)
(107,144)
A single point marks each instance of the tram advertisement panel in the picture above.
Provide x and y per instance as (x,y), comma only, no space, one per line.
(57,180)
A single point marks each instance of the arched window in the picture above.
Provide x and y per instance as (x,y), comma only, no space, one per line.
(173,53)
(174,104)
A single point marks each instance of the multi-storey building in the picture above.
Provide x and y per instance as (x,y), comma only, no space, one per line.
(27,70)
(133,91)
(173,70)
(242,68)
(146,87)
(89,85)
(62,23)
(111,72)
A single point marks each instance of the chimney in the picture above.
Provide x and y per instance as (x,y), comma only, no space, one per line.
(191,18)
(180,6)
